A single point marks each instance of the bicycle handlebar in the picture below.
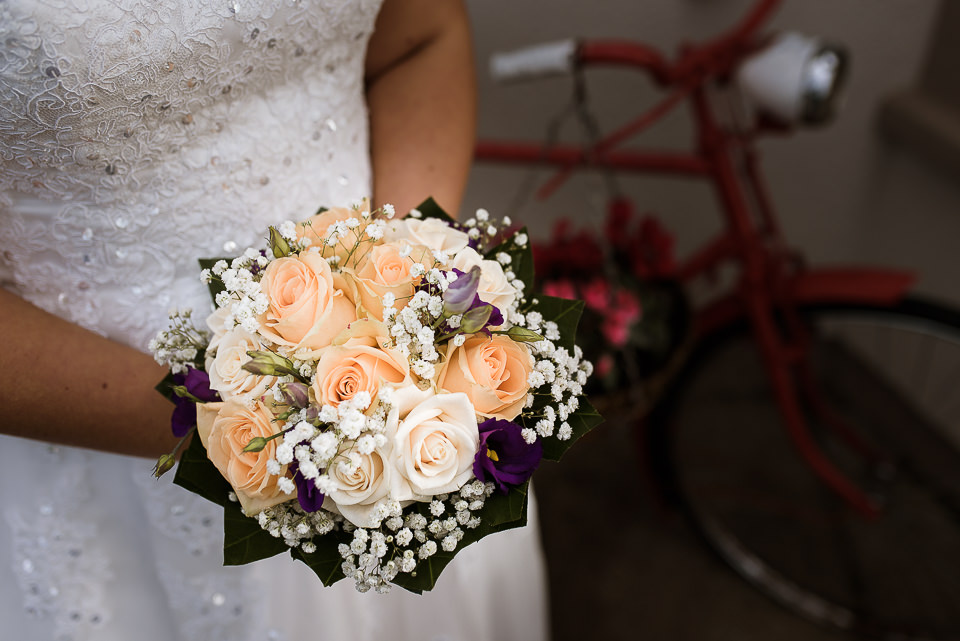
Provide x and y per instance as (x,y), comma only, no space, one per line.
(562,57)
(537,61)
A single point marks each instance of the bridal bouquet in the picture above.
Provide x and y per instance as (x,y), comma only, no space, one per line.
(373,394)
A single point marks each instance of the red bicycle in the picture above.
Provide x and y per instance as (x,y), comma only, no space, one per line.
(850,515)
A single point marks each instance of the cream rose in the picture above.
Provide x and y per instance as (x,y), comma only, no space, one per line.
(225,429)
(309,304)
(226,372)
(385,270)
(216,323)
(435,439)
(491,371)
(494,288)
(359,365)
(432,233)
(361,481)
(316,229)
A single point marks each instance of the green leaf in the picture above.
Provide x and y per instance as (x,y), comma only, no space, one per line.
(500,512)
(197,474)
(565,313)
(244,541)
(582,421)
(521,262)
(326,562)
(430,209)
(216,285)
(502,509)
(165,387)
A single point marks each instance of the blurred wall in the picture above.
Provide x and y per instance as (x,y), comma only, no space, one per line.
(843,193)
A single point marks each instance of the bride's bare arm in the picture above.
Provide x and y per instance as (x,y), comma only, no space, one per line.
(63,384)
(421,95)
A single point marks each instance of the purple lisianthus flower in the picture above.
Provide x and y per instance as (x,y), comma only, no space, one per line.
(504,458)
(495,320)
(308,495)
(460,294)
(197,383)
(185,411)
(461,297)
(184,416)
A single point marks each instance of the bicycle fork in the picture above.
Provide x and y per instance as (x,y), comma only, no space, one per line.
(783,353)
(785,361)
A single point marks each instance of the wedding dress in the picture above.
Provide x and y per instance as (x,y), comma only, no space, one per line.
(135,137)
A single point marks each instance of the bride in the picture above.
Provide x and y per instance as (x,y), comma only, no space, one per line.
(135,137)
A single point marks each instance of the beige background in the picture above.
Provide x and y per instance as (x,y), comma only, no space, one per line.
(843,193)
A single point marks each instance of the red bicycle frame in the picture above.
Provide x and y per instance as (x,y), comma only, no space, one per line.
(772,282)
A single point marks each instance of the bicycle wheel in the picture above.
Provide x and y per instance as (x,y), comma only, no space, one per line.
(893,375)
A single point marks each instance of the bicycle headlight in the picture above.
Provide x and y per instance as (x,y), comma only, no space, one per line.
(797,79)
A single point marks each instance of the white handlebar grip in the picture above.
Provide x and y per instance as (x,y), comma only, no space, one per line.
(538,61)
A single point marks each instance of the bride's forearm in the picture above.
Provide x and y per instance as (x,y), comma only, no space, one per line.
(421,95)
(63,384)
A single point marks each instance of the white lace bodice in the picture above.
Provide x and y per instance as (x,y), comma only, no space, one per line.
(139,135)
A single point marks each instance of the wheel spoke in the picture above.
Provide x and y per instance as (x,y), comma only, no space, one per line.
(892,375)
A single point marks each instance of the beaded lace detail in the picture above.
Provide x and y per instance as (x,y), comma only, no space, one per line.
(137,136)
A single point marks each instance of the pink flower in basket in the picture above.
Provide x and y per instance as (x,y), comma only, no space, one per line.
(596,295)
(561,289)
(620,316)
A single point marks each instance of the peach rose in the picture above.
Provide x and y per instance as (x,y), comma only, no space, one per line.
(359,365)
(435,439)
(309,304)
(384,270)
(492,372)
(225,429)
(227,375)
(316,229)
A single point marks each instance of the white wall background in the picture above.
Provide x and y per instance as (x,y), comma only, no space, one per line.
(843,194)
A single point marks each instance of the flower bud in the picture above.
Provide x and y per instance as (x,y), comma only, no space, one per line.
(256,444)
(164,464)
(181,391)
(269,364)
(523,335)
(476,319)
(278,244)
(295,394)
(459,294)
